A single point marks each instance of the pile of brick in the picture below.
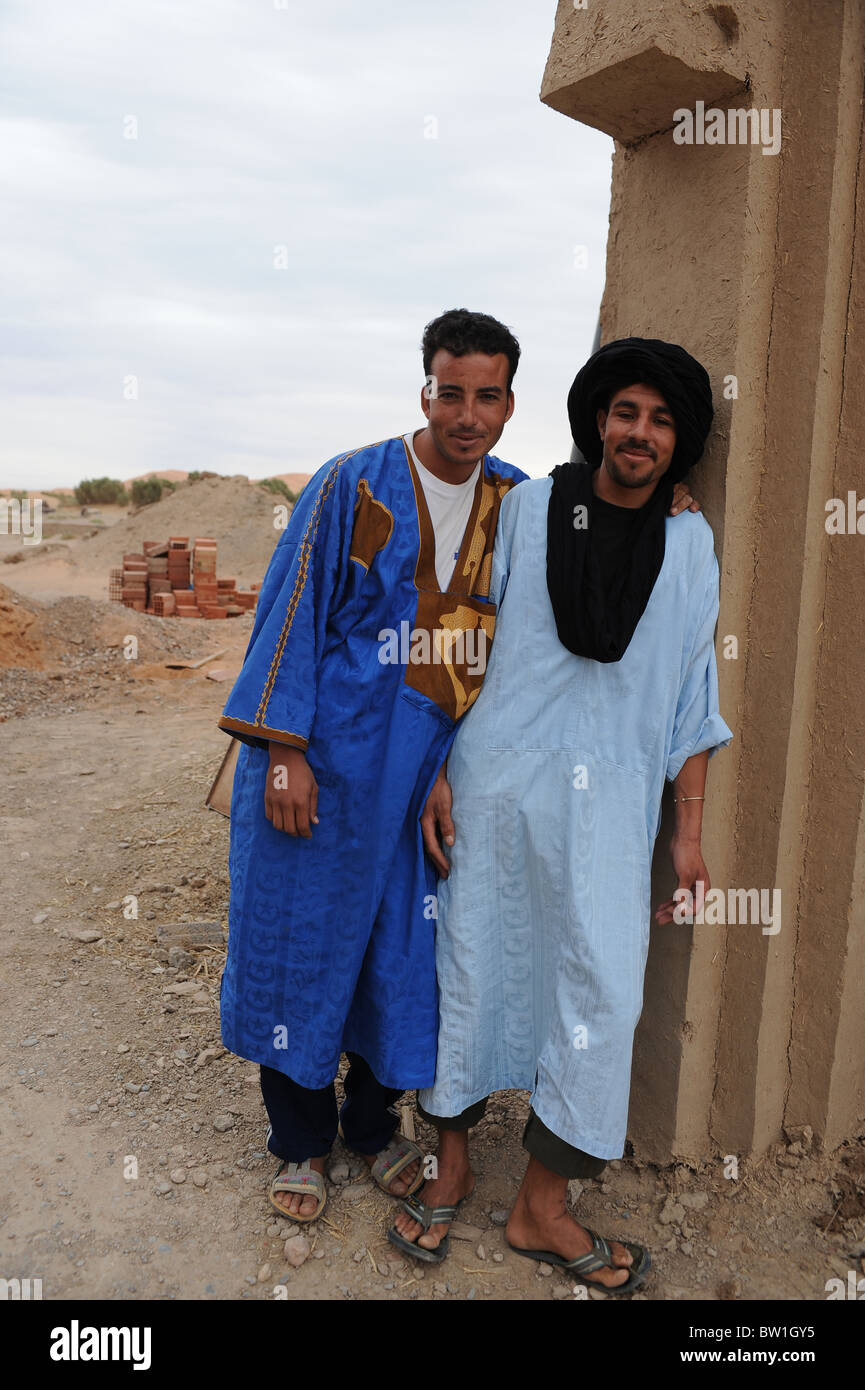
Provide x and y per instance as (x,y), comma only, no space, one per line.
(173,579)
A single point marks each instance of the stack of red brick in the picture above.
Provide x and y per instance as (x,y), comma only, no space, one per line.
(172,578)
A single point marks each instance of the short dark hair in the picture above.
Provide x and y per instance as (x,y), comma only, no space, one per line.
(460,331)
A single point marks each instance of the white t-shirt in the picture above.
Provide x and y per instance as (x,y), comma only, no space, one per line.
(449,506)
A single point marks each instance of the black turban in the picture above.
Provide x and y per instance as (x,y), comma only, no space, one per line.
(600,576)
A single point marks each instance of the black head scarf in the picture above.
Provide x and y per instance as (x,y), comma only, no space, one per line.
(596,613)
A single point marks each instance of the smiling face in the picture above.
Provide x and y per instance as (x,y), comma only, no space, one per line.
(468,405)
(639,437)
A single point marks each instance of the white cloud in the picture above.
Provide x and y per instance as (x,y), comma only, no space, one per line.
(259,128)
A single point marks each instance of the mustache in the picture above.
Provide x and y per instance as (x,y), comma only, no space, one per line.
(630,446)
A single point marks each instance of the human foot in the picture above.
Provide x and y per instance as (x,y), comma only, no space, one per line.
(555,1230)
(392,1178)
(296,1204)
(451,1186)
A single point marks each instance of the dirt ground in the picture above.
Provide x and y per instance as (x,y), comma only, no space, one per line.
(132,1145)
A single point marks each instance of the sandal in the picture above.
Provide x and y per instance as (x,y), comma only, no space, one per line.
(426,1216)
(597,1258)
(393,1160)
(298,1177)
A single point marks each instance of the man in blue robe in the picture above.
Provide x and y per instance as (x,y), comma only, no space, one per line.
(369,644)
(602,683)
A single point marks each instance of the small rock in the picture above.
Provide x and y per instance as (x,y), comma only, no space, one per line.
(359,1255)
(185,987)
(561,1291)
(672,1212)
(123,1047)
(297,1250)
(438,1287)
(544,1270)
(180,959)
(596,1292)
(461,1230)
(694,1201)
(28,1042)
(494,1131)
(41,917)
(788,1160)
(357,1191)
(85,934)
(132,1086)
(264,1274)
(199,1177)
(222,1123)
(178,1175)
(686,1248)
(338,1172)
(163,1187)
(481,1253)
(498,1256)
(209,1054)
(730,1289)
(271,1230)
(801,1136)
(499,1218)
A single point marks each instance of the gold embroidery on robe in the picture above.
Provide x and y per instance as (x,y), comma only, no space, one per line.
(373,525)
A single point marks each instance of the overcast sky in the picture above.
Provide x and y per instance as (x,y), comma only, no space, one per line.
(268,131)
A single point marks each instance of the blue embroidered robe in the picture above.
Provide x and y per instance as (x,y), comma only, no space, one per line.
(332,939)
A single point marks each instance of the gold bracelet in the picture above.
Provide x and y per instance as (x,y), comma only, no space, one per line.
(677,799)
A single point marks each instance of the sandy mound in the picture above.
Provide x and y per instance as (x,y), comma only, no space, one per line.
(38,635)
(238,514)
(19,632)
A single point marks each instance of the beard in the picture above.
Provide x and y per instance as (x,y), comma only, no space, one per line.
(623,474)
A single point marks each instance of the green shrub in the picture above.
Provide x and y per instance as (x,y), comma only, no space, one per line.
(277,485)
(146,490)
(90,492)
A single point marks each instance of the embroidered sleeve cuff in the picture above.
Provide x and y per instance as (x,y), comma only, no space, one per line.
(258,735)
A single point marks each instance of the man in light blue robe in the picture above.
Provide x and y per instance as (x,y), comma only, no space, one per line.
(602,683)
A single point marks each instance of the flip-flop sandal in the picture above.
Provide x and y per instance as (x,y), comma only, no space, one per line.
(298,1177)
(426,1217)
(600,1256)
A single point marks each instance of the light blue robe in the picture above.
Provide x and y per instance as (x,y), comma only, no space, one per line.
(557,774)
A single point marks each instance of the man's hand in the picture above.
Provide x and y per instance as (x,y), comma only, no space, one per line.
(291,794)
(691,873)
(682,499)
(436,822)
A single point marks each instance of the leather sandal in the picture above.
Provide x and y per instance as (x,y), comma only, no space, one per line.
(299,1177)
